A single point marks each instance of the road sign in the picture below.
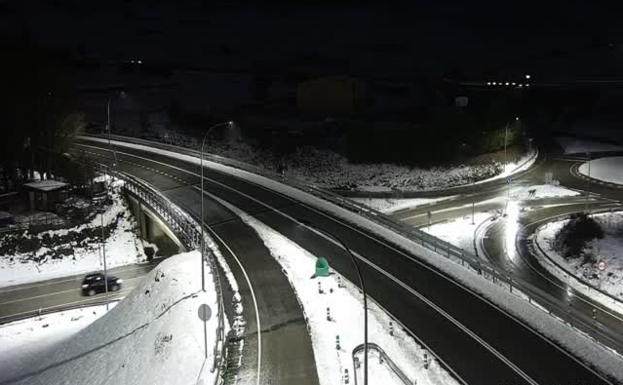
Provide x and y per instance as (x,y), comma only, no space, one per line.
(601,265)
(204,312)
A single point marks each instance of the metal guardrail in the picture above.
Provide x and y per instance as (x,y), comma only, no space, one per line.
(390,363)
(188,231)
(463,257)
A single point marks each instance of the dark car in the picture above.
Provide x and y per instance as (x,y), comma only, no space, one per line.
(94,283)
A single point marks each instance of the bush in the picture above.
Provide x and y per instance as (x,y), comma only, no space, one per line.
(571,240)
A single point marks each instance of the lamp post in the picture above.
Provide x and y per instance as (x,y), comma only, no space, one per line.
(363,289)
(229,123)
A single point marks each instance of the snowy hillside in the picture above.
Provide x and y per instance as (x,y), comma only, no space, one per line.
(154,336)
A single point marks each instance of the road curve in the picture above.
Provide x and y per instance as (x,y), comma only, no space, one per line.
(480,342)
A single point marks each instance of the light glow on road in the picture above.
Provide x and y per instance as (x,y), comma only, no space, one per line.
(511,228)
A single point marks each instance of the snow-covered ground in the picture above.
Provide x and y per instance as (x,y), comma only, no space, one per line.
(580,146)
(22,340)
(345,305)
(123,246)
(391,205)
(460,231)
(154,336)
(605,169)
(540,192)
(609,250)
(604,359)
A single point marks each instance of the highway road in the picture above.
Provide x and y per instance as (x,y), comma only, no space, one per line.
(480,343)
(20,301)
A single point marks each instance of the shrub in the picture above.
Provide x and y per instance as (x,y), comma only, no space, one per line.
(571,240)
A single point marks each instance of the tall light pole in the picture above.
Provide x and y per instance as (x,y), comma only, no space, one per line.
(203,142)
(363,290)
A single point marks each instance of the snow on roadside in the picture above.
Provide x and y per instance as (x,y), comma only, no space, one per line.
(575,146)
(579,344)
(609,250)
(604,169)
(460,231)
(123,247)
(540,192)
(22,340)
(153,336)
(392,205)
(346,310)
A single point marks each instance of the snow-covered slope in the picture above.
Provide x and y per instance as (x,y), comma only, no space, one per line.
(154,336)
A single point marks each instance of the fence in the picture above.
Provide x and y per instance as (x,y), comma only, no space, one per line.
(465,258)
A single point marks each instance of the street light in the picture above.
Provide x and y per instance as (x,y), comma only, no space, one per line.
(363,289)
(229,123)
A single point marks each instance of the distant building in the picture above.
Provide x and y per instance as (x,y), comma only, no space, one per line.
(44,195)
(331,95)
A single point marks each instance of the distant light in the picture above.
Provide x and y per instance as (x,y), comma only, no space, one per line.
(514,83)
(132,61)
(139,61)
(527,76)
(527,84)
(507,83)
(516,117)
(520,85)
(231,122)
(495,84)
(488,83)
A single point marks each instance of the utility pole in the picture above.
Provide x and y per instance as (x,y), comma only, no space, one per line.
(104,255)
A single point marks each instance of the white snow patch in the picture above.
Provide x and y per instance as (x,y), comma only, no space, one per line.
(540,192)
(21,341)
(460,232)
(605,169)
(391,205)
(154,336)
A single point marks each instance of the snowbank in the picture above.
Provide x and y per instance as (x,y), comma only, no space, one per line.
(22,340)
(123,247)
(153,336)
(345,305)
(604,169)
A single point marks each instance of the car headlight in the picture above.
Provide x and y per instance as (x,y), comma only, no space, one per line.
(119,280)
(84,285)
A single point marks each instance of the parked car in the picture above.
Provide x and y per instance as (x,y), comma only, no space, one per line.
(94,283)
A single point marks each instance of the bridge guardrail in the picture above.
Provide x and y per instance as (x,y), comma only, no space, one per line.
(188,231)
(465,258)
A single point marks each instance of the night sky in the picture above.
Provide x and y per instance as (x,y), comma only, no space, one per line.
(580,39)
